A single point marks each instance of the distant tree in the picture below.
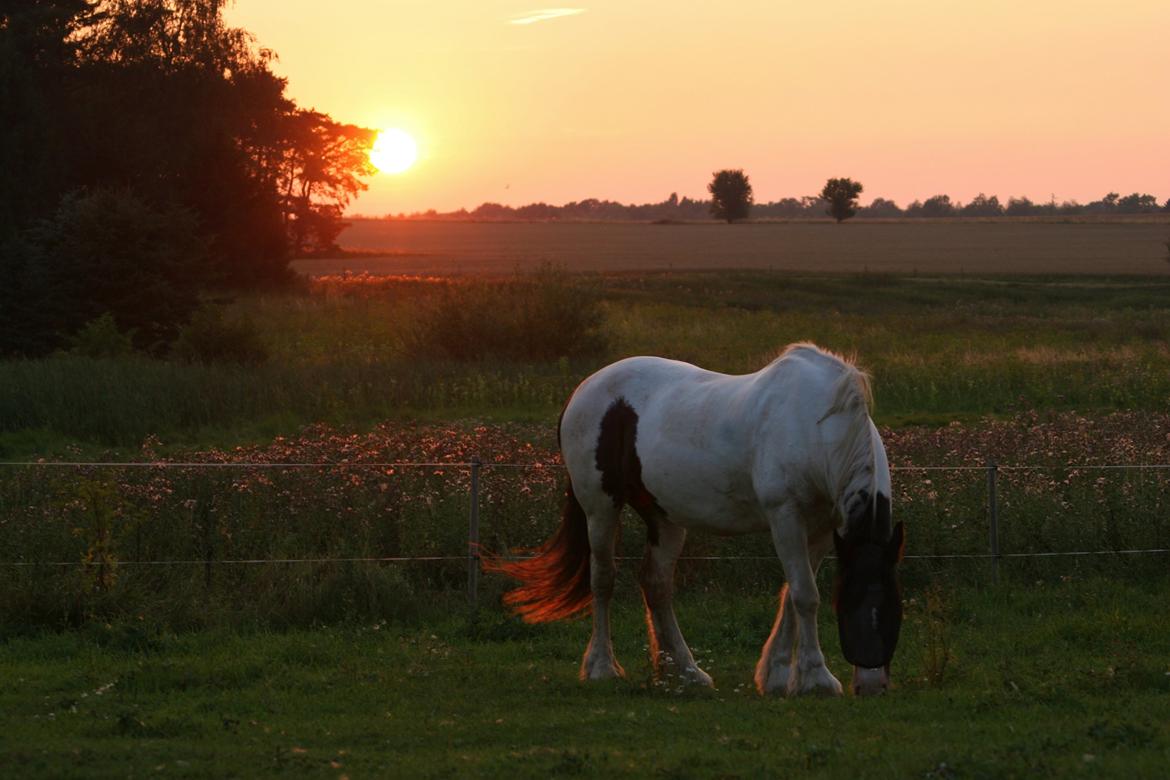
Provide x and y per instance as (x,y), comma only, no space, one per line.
(731,195)
(982,206)
(938,206)
(1020,207)
(841,195)
(1107,204)
(880,207)
(1137,203)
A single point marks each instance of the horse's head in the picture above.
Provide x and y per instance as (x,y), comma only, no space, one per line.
(868,601)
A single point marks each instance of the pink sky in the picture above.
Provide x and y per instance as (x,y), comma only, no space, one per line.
(631,101)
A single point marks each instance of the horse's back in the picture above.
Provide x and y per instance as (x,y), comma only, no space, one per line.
(686,431)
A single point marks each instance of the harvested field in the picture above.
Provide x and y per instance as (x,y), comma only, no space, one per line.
(907,246)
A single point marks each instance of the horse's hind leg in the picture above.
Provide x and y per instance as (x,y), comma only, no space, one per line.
(599,662)
(667,646)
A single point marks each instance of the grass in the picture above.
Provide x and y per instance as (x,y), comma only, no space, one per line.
(1059,679)
(940,348)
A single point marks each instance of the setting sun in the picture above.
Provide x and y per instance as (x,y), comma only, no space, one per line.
(394,151)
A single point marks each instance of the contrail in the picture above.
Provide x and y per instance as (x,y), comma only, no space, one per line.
(544,14)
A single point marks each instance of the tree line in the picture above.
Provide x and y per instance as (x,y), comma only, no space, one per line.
(150,156)
(839,199)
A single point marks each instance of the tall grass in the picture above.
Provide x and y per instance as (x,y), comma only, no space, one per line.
(209,522)
(360,351)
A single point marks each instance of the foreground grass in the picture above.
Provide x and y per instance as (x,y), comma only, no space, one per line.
(1056,679)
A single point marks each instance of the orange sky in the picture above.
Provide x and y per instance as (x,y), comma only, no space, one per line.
(633,100)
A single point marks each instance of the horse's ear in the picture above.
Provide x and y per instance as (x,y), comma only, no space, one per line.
(896,547)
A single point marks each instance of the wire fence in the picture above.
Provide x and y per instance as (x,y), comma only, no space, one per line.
(474,468)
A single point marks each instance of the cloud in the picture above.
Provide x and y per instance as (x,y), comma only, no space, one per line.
(544,14)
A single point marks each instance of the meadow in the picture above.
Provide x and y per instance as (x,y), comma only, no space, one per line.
(344,352)
(327,664)
(1059,679)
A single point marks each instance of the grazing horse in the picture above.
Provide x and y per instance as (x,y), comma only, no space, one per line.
(789,449)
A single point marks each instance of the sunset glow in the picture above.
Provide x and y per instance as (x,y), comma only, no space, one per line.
(394,151)
(518,103)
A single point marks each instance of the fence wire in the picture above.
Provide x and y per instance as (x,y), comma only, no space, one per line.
(476,465)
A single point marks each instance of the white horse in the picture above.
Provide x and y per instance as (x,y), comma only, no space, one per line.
(789,449)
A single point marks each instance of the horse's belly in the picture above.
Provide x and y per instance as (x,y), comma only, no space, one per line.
(714,508)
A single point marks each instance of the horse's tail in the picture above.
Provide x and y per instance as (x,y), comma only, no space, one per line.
(855,464)
(555,579)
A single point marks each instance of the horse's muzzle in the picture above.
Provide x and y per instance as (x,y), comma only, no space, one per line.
(870,682)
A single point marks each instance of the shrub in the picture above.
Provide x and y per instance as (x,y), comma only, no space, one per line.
(103,252)
(211,337)
(543,315)
(101,338)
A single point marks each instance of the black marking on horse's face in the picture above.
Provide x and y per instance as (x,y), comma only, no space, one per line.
(868,598)
(621,470)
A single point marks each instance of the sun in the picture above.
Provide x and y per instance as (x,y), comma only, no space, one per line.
(394,151)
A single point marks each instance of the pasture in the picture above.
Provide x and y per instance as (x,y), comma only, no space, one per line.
(213,665)
(941,348)
(1059,679)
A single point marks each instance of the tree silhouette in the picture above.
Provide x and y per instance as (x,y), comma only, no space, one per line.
(731,195)
(165,104)
(841,195)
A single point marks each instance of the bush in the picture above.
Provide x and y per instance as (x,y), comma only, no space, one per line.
(101,338)
(210,337)
(540,316)
(104,252)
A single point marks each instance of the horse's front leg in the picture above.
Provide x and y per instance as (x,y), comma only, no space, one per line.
(808,674)
(772,670)
(775,665)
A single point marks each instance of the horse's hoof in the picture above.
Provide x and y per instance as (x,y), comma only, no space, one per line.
(601,669)
(775,684)
(817,681)
(696,676)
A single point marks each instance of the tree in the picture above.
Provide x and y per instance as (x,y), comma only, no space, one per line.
(1137,203)
(105,253)
(841,195)
(880,207)
(982,206)
(938,206)
(731,195)
(319,173)
(164,98)
(1020,207)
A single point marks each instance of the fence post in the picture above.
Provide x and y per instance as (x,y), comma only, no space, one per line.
(473,537)
(993,518)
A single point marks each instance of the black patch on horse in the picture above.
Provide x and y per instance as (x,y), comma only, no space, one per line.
(621,470)
(868,518)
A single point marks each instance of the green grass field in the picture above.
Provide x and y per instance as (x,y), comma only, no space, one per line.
(940,348)
(211,668)
(1059,679)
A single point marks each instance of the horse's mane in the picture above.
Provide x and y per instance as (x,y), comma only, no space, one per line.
(851,395)
(853,386)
